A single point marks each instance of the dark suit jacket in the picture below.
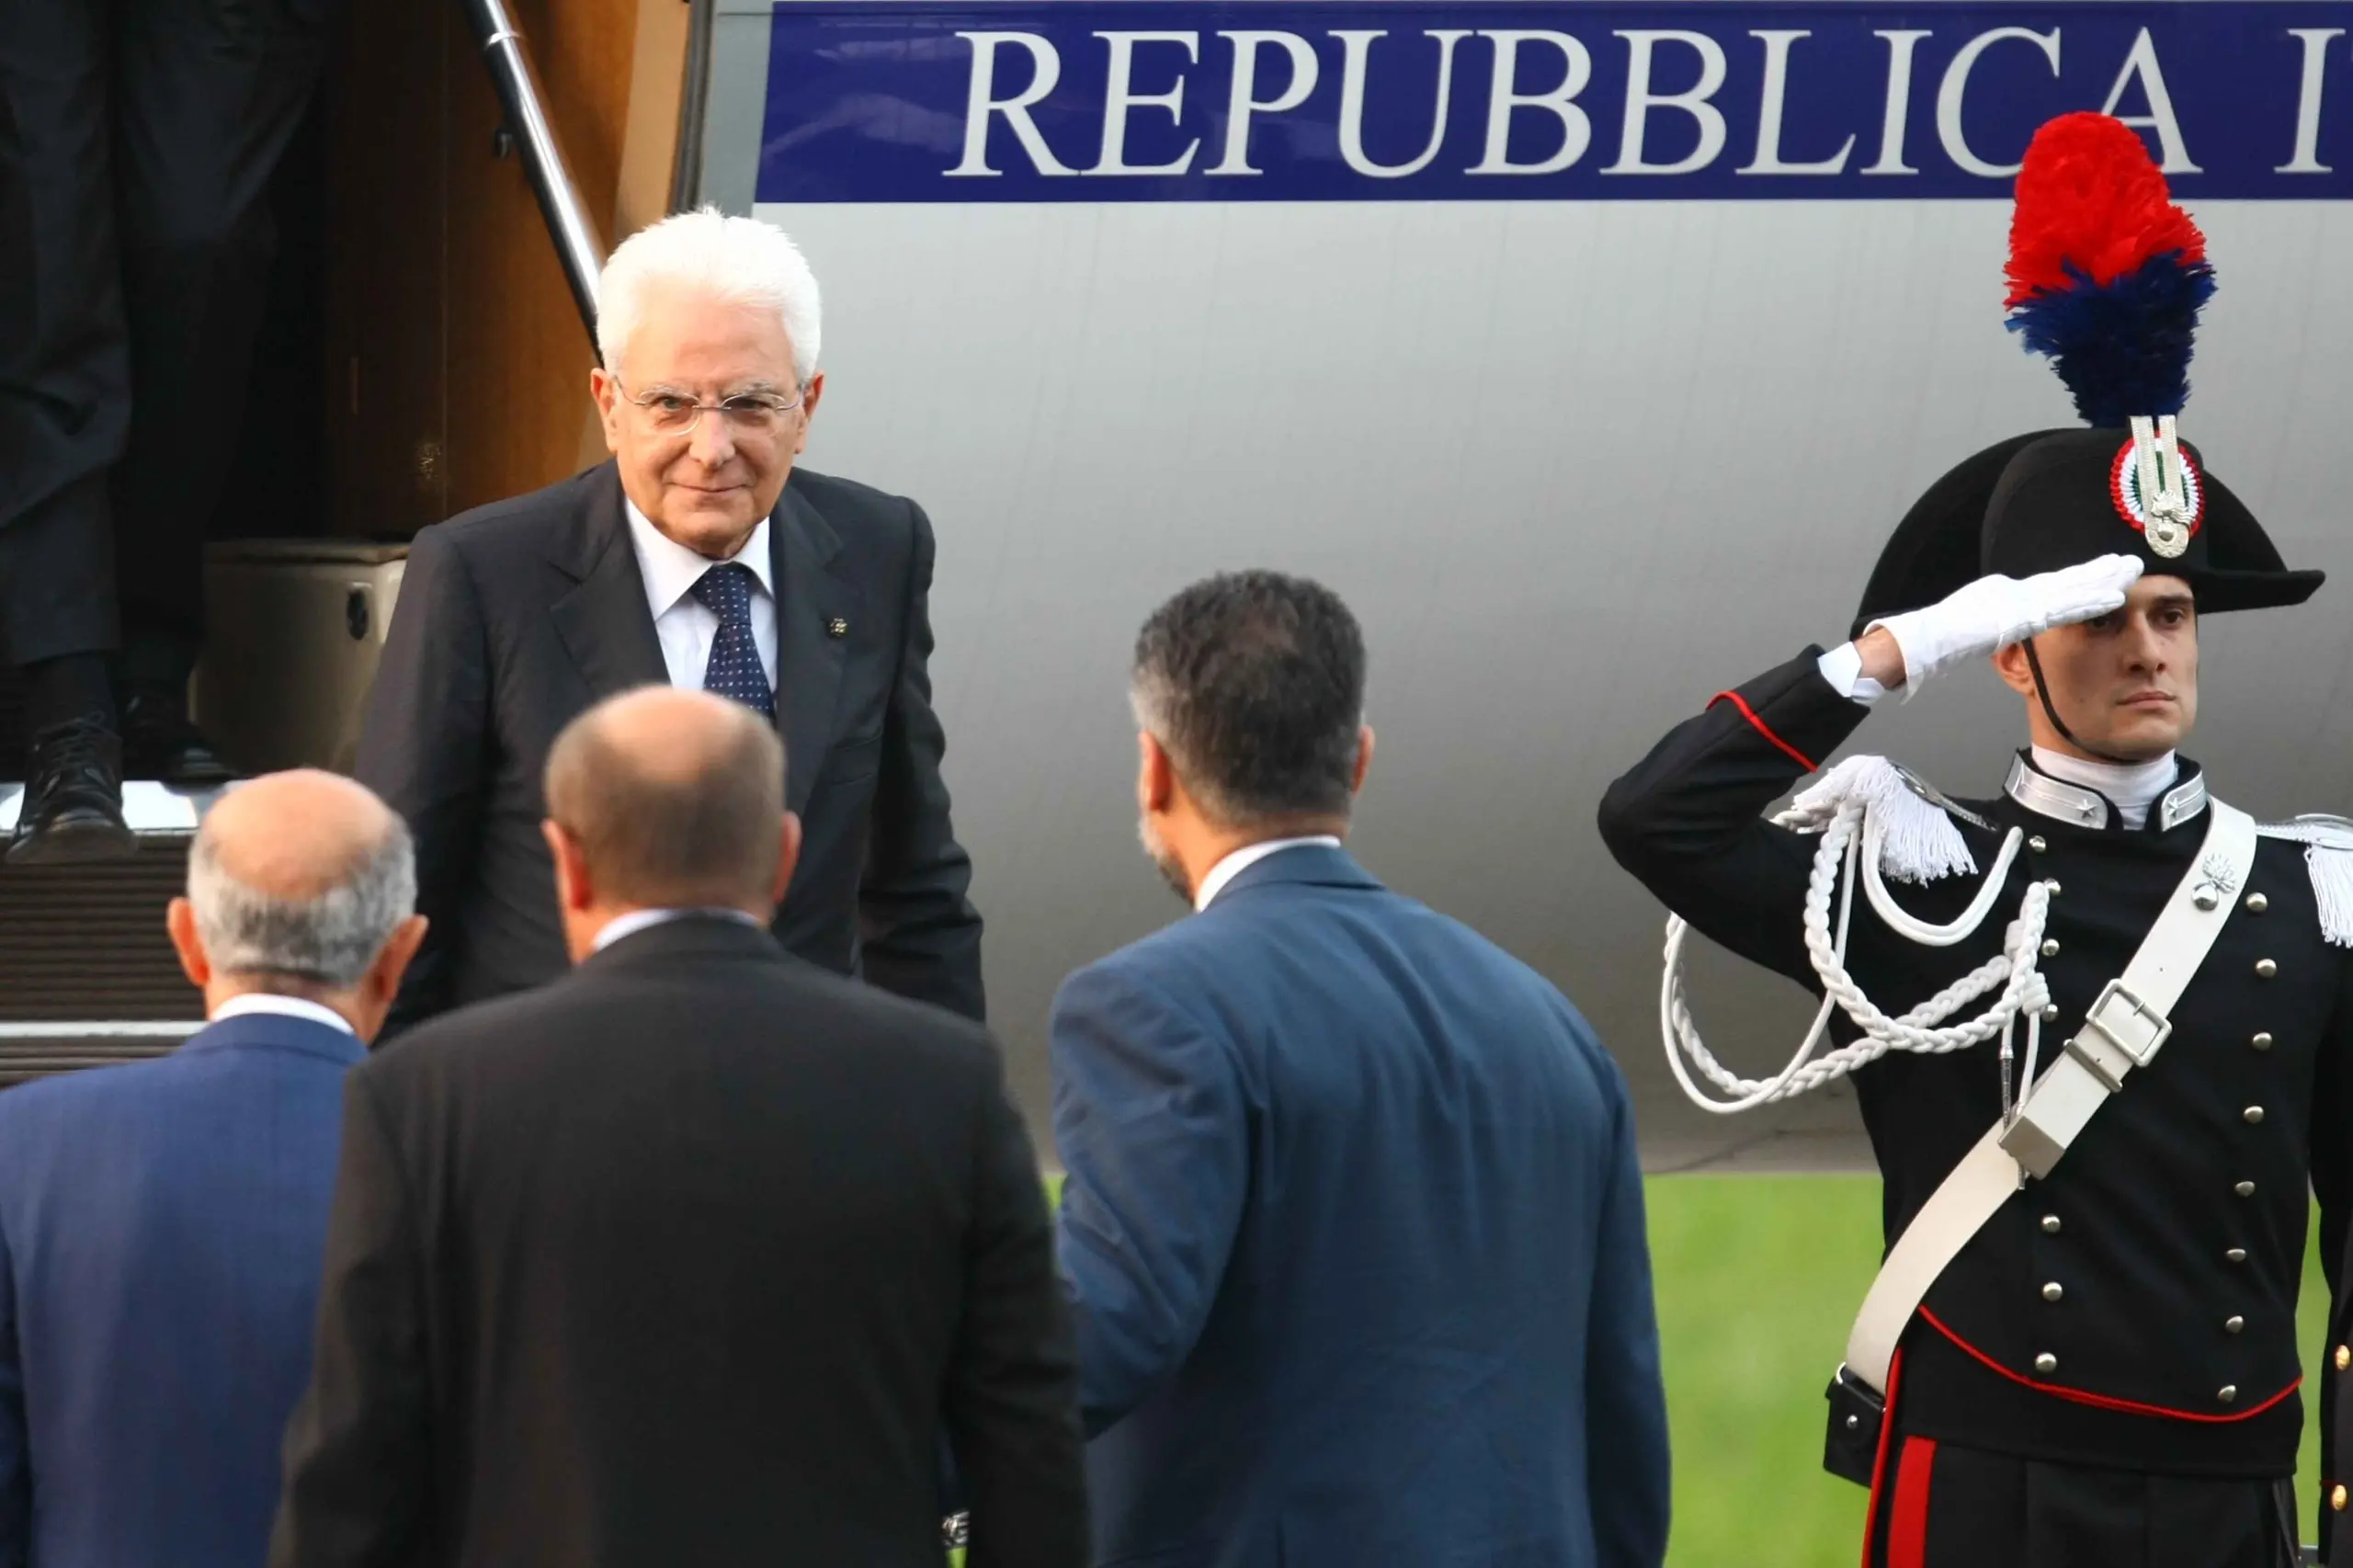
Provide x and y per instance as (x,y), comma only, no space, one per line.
(515,618)
(687,1257)
(160,1233)
(1354,1230)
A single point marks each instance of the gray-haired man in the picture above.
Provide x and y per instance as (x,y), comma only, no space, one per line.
(161,1224)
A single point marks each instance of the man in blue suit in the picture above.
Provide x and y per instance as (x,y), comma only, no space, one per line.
(1353,1223)
(162,1224)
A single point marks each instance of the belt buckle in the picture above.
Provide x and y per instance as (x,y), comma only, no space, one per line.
(2139,1018)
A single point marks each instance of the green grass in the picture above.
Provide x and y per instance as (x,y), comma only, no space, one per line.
(1757,1279)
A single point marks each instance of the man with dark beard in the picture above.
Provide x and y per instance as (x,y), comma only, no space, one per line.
(1353,1207)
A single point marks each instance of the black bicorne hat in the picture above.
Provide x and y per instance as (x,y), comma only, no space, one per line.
(2107,277)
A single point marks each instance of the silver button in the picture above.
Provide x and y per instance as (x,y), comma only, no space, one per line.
(2262,1042)
(2244,1189)
(2053,1291)
(2050,946)
(2051,1013)
(2205,898)
(2234,1323)
(2046,1363)
(1854,1422)
(2051,1225)
(2227,1393)
(2252,1115)
(2236,1255)
(2037,845)
(2264,969)
(2256,903)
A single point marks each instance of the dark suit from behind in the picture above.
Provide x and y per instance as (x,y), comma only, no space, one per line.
(515,618)
(1355,1228)
(687,1257)
(160,1233)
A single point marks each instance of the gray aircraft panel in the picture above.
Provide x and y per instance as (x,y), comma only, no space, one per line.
(1577,466)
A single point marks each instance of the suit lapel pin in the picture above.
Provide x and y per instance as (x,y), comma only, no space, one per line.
(837,628)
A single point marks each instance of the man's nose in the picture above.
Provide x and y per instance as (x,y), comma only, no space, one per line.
(713,444)
(2145,649)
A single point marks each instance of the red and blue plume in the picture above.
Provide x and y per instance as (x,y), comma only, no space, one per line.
(2107,275)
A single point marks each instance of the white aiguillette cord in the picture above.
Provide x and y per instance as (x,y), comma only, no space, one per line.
(1852,809)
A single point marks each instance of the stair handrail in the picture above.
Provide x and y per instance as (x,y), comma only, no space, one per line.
(578,246)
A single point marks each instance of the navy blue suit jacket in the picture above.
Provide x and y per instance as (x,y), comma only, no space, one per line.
(1354,1228)
(161,1230)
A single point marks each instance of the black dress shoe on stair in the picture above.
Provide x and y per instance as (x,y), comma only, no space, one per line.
(72,805)
(158,741)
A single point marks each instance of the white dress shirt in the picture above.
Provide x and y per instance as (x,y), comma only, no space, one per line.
(637,920)
(1843,668)
(1249,854)
(683,622)
(284,1006)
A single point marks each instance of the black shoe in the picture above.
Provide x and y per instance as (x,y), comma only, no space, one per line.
(158,741)
(72,804)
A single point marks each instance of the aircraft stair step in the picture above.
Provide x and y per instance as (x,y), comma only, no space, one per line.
(86,975)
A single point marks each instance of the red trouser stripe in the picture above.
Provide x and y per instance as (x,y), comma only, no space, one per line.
(1908,1527)
(1762,728)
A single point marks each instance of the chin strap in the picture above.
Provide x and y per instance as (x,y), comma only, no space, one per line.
(2050,711)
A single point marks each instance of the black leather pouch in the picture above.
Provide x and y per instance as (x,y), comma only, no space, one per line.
(1850,1447)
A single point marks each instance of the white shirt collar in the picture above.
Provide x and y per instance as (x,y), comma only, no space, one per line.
(637,920)
(671,570)
(253,1002)
(2130,787)
(1249,854)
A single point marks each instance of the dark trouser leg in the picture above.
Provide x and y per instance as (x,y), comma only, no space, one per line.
(57,576)
(65,365)
(1955,1507)
(208,94)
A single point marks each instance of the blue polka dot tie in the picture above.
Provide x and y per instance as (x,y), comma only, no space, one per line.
(734,668)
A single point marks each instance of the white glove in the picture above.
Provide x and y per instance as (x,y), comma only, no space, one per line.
(1993,612)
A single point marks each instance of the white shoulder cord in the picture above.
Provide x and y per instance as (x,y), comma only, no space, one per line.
(2023,989)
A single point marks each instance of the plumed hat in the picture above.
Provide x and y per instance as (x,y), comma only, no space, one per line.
(2107,277)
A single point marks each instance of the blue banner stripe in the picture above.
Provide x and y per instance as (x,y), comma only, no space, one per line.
(1284,101)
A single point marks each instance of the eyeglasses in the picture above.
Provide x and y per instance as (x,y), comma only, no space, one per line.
(672,413)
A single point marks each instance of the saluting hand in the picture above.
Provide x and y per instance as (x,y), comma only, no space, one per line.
(1991,614)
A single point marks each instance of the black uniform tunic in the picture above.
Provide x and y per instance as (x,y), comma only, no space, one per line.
(2136,1311)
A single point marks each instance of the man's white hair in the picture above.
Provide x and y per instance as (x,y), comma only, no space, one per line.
(740,261)
(330,940)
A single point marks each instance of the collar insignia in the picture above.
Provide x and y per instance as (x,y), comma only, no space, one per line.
(2046,796)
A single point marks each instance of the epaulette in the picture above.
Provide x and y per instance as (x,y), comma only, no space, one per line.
(2328,853)
(1919,841)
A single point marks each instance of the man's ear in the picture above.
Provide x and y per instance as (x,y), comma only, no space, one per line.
(1155,775)
(180,923)
(2016,674)
(575,888)
(607,393)
(1364,759)
(815,390)
(382,982)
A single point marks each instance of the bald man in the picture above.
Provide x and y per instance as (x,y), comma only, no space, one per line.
(690,1256)
(161,1224)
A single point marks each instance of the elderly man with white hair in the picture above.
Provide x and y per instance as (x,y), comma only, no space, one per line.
(162,1225)
(700,556)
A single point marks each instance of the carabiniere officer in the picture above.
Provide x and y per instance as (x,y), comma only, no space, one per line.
(2107,1373)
